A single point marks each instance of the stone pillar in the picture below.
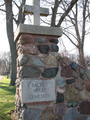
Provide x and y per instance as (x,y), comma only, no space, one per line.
(48,86)
(37,68)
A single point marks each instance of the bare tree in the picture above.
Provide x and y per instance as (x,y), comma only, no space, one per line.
(74,18)
(5,63)
(77,27)
(18,18)
(67,10)
(10,19)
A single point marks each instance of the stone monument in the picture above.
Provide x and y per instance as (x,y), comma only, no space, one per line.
(48,87)
(36,86)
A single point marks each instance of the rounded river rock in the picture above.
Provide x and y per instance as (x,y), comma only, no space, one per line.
(54,47)
(30,71)
(50,72)
(43,48)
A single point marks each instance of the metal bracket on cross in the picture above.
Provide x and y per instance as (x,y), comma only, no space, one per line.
(36,10)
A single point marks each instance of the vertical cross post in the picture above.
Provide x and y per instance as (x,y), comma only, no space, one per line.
(36,10)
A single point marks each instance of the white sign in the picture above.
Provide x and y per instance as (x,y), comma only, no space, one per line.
(37,90)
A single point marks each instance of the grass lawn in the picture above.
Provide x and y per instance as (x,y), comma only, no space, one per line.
(7,99)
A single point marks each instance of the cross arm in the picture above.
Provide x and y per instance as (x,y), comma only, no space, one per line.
(27,9)
(44,11)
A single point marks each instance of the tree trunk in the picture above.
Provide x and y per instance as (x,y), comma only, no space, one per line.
(10,34)
(21,16)
(81,56)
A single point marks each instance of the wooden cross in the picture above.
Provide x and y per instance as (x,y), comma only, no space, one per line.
(36,10)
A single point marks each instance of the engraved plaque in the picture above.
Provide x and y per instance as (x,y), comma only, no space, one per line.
(37,90)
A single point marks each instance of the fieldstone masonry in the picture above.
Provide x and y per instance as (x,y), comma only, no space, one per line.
(48,86)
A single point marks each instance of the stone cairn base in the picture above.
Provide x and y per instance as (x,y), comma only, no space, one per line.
(38,58)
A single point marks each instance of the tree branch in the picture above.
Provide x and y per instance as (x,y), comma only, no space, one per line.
(84,14)
(54,12)
(66,12)
(76,26)
(21,16)
(70,33)
(3,10)
(16,4)
(15,20)
(48,23)
(2,4)
(70,39)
